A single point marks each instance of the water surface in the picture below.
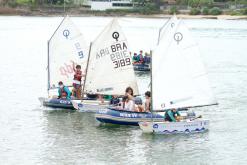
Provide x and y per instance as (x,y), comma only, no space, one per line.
(30,135)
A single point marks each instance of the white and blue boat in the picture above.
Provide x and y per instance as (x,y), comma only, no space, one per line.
(185,84)
(123,117)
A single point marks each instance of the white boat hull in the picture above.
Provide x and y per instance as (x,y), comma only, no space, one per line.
(197,125)
(89,105)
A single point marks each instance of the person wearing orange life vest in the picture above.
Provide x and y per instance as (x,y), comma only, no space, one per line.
(77,81)
(63,91)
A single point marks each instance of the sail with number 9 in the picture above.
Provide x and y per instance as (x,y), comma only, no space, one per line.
(66,47)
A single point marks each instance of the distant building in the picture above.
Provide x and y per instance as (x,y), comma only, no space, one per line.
(111,4)
(170,2)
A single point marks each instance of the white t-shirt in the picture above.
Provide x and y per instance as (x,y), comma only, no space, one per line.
(130,105)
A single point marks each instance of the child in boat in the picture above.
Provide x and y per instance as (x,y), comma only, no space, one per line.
(63,91)
(147,59)
(140,57)
(171,115)
(148,101)
(77,81)
(147,106)
(135,58)
(128,103)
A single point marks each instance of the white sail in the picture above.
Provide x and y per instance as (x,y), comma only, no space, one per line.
(181,80)
(110,68)
(168,26)
(164,40)
(66,46)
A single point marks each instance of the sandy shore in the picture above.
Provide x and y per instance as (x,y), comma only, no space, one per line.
(25,12)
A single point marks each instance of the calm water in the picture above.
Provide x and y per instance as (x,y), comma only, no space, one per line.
(30,135)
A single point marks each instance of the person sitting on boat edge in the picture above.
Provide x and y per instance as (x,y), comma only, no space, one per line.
(147,106)
(135,58)
(129,92)
(128,103)
(171,115)
(76,92)
(147,59)
(63,91)
(148,101)
(141,57)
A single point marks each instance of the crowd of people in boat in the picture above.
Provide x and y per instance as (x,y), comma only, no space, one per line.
(139,58)
(128,102)
(131,103)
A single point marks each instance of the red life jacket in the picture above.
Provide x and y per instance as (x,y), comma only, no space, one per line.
(63,93)
(78,75)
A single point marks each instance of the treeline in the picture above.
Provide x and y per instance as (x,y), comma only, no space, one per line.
(193,7)
(211,7)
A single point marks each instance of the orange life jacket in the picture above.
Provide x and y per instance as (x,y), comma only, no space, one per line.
(78,75)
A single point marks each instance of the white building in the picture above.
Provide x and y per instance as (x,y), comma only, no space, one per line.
(111,4)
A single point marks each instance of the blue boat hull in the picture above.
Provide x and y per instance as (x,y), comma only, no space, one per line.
(57,103)
(121,117)
(141,67)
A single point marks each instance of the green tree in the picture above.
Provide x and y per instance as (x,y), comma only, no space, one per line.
(200,3)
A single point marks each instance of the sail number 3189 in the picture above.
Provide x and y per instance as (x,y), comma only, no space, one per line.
(122,62)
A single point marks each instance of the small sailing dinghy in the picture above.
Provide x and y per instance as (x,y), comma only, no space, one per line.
(179,80)
(110,71)
(109,67)
(65,47)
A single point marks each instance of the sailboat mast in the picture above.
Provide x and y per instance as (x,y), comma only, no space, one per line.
(87,68)
(151,88)
(48,67)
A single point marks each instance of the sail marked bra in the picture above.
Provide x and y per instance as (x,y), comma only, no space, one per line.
(110,68)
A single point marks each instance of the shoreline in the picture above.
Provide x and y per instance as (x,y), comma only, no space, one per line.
(41,13)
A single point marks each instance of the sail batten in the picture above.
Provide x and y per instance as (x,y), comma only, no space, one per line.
(179,77)
(110,68)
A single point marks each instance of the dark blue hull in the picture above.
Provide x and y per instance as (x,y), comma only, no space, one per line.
(141,67)
(57,103)
(121,117)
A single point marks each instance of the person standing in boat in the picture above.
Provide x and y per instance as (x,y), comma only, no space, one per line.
(171,115)
(77,81)
(63,91)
